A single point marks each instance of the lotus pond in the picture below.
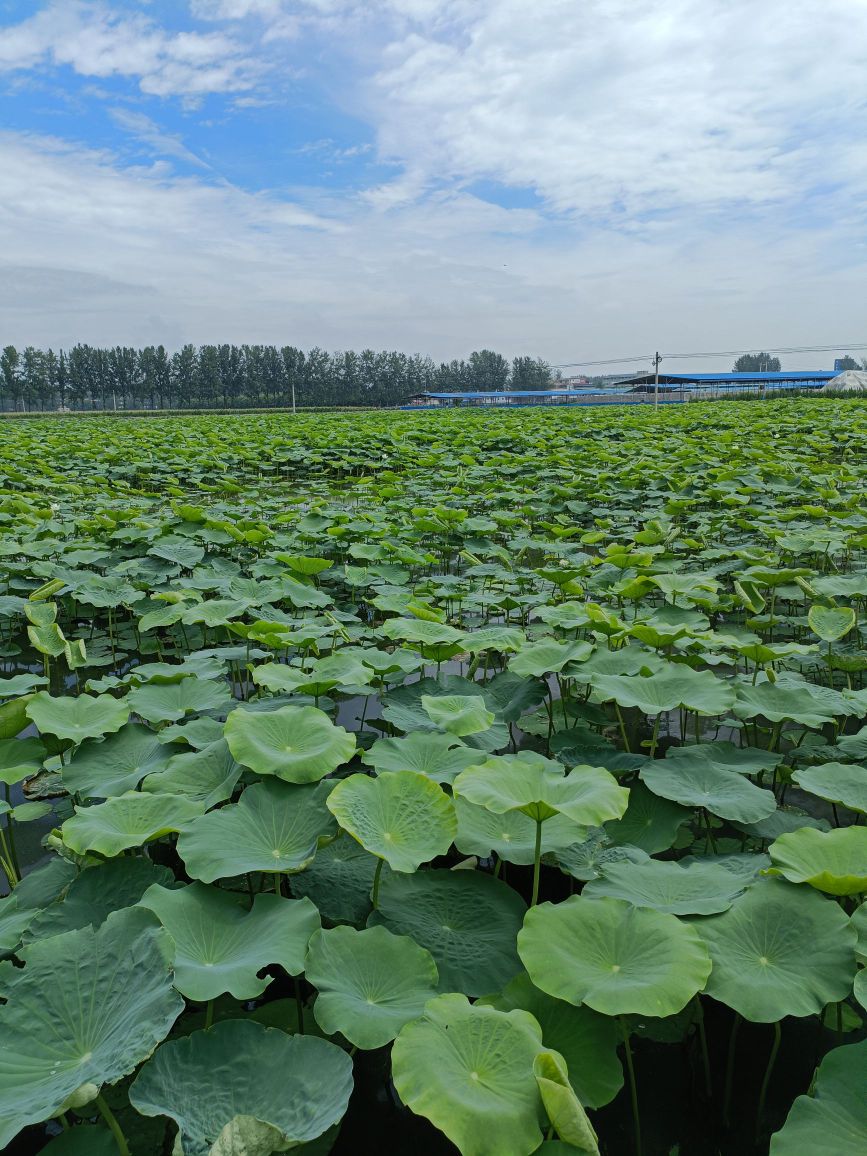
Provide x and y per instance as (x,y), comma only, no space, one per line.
(434,783)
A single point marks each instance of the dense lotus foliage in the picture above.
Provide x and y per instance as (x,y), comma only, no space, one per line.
(446,782)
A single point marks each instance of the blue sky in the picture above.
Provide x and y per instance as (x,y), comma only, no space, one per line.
(570,180)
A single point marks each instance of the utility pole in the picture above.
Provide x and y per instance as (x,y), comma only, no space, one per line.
(656,361)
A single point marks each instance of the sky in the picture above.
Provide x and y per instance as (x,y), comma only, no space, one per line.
(572,179)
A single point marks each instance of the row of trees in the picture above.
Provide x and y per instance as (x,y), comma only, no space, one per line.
(232,376)
(764,363)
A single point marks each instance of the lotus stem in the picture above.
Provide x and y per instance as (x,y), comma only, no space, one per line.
(654,738)
(702,1037)
(730,1069)
(537,863)
(209,1014)
(111,1120)
(374,898)
(622,728)
(633,1087)
(772,1059)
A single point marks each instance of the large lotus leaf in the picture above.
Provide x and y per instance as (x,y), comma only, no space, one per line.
(84,717)
(833,861)
(674,686)
(563,1108)
(339,882)
(722,792)
(837,782)
(616,958)
(221,944)
(469,1070)
(744,760)
(512,835)
(19,759)
(299,1085)
(94,894)
(403,709)
(208,776)
(587,1040)
(20,684)
(84,1140)
(128,820)
(832,1119)
(420,633)
(36,890)
(779,951)
(87,1008)
(541,788)
(587,860)
(778,703)
(467,920)
(299,744)
(781,822)
(440,757)
(696,889)
(172,702)
(649,822)
(272,827)
(831,623)
(548,656)
(459,715)
(114,765)
(178,550)
(370,983)
(403,817)
(500,638)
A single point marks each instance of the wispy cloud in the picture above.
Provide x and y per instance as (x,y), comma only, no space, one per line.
(149,133)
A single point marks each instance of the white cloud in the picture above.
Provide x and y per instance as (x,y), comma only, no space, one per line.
(96,41)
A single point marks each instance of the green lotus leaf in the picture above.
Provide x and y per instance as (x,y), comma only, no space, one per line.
(298,1085)
(339,881)
(272,827)
(779,702)
(208,776)
(833,861)
(128,820)
(36,891)
(420,633)
(779,951)
(674,686)
(440,757)
(402,817)
(696,889)
(84,717)
(458,714)
(19,759)
(541,788)
(21,684)
(403,709)
(85,1140)
(221,944)
(832,1119)
(512,835)
(29,812)
(783,820)
(100,769)
(467,920)
(299,744)
(87,1008)
(370,983)
(650,823)
(587,860)
(837,782)
(94,894)
(548,656)
(586,1040)
(564,1109)
(616,958)
(179,551)
(723,792)
(502,639)
(173,701)
(831,623)
(744,760)
(469,1070)
(858,921)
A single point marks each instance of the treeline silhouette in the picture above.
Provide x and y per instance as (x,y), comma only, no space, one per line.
(240,376)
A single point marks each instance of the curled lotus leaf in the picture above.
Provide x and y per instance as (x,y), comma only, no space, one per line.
(403,817)
(698,888)
(831,623)
(844,783)
(87,1007)
(613,957)
(221,944)
(469,1070)
(459,715)
(832,861)
(370,983)
(299,744)
(298,1085)
(723,792)
(778,951)
(564,1109)
(512,835)
(128,820)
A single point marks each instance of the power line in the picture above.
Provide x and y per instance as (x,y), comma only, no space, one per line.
(847,345)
